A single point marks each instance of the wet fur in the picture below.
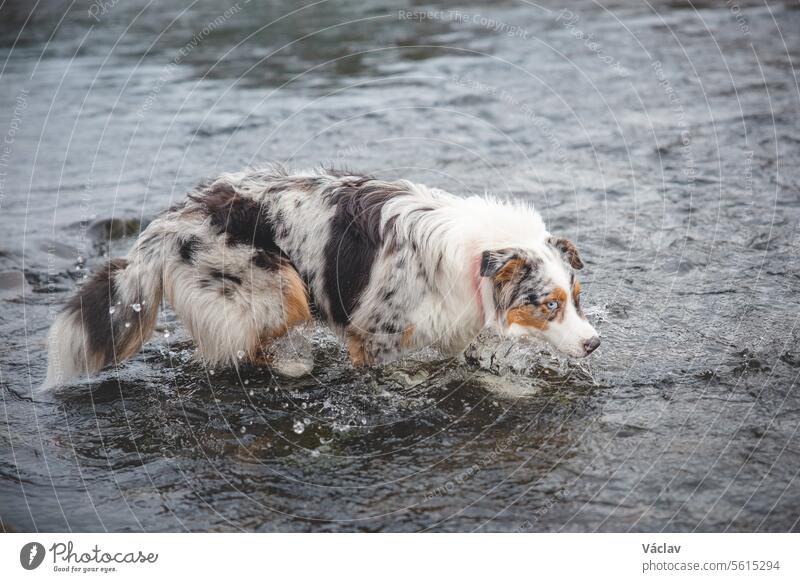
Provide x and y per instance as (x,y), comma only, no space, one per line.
(390,266)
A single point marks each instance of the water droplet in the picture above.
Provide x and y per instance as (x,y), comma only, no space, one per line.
(251,392)
(243,430)
(306,421)
(314,453)
(112,310)
(136,307)
(240,354)
(211,372)
(298,427)
(127,324)
(166,333)
(246,382)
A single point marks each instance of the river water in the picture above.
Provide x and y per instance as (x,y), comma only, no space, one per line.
(661,137)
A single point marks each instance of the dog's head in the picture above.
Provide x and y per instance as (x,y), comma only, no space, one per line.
(536,293)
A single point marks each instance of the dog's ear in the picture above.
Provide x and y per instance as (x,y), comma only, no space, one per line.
(568,250)
(493,262)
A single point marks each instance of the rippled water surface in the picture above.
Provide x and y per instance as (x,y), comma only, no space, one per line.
(662,137)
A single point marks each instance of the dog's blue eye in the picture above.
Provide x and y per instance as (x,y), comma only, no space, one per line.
(552,305)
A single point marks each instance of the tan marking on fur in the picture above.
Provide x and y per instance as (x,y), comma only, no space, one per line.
(261,358)
(258,352)
(295,298)
(576,292)
(569,250)
(132,342)
(505,274)
(561,296)
(538,316)
(408,336)
(296,311)
(528,316)
(356,350)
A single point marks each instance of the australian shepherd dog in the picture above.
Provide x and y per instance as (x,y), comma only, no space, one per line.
(392,267)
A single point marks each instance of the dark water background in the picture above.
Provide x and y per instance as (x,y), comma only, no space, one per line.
(666,145)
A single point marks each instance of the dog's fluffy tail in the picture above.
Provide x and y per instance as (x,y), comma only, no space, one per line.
(110,318)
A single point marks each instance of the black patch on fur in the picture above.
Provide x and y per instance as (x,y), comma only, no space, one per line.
(243,220)
(493,261)
(355,240)
(487,264)
(524,282)
(226,277)
(568,250)
(91,305)
(177,206)
(343,172)
(188,248)
(268,261)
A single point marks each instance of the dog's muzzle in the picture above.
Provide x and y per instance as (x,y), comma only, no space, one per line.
(591,345)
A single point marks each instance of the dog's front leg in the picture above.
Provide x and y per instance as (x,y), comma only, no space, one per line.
(357,349)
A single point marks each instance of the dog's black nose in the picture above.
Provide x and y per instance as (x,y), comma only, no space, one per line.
(591,345)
